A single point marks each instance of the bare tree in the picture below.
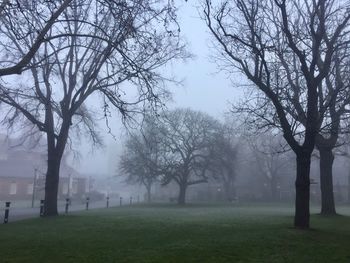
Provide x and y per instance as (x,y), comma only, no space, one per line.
(333,99)
(140,159)
(223,159)
(271,158)
(101,50)
(253,35)
(187,138)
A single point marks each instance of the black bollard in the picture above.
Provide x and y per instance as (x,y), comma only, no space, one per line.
(87,203)
(42,208)
(7,211)
(120,201)
(67,205)
(107,204)
(130,200)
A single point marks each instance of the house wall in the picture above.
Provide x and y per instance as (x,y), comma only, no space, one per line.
(19,164)
(15,188)
(74,187)
(22,188)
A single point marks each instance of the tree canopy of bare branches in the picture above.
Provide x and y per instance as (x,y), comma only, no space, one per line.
(224,158)
(176,146)
(187,140)
(140,159)
(19,16)
(108,52)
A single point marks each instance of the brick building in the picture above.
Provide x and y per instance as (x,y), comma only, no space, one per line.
(22,169)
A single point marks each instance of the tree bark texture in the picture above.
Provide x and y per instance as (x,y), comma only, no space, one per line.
(326,181)
(302,191)
(51,185)
(182,194)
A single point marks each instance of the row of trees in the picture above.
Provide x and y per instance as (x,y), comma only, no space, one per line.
(294,54)
(78,61)
(183,146)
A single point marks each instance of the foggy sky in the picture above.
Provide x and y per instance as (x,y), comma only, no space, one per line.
(203,89)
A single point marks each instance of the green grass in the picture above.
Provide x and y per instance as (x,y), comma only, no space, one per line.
(196,233)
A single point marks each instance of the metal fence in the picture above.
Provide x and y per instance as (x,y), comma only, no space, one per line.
(17,210)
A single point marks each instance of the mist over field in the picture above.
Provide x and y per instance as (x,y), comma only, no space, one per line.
(174,131)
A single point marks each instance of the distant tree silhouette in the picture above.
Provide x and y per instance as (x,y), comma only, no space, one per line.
(139,162)
(187,140)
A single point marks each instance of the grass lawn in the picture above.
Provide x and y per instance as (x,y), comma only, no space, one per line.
(159,233)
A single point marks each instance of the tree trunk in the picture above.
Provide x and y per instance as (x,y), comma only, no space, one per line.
(302,191)
(51,185)
(326,181)
(148,193)
(227,190)
(182,194)
(228,187)
(54,153)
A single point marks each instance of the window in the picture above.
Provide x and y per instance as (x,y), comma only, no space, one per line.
(13,188)
(30,188)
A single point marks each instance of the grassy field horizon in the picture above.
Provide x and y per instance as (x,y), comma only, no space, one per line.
(169,233)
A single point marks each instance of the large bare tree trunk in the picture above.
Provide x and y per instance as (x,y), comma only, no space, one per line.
(326,181)
(55,150)
(51,185)
(182,194)
(148,187)
(302,189)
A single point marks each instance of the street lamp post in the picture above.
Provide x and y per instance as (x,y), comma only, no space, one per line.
(34,186)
